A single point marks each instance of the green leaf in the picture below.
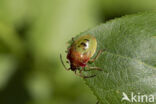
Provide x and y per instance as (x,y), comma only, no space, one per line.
(129,59)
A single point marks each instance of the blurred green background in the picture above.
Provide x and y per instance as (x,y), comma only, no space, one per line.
(32,35)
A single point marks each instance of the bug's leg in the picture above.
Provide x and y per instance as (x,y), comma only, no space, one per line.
(63,63)
(93,68)
(98,54)
(80,74)
(75,72)
(89,76)
(86,76)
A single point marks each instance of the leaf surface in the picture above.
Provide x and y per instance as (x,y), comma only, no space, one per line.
(129,59)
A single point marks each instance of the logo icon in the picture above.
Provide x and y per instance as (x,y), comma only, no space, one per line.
(137,97)
(125,97)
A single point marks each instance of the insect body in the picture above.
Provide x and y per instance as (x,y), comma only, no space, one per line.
(80,53)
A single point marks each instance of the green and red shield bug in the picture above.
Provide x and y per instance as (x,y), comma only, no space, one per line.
(80,53)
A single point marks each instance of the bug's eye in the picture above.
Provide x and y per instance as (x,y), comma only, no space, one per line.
(84,44)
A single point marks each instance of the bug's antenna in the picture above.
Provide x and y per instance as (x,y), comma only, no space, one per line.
(63,62)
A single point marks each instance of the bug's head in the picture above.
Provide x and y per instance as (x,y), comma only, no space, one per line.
(72,67)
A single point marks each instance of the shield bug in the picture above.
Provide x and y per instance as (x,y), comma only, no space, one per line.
(80,53)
